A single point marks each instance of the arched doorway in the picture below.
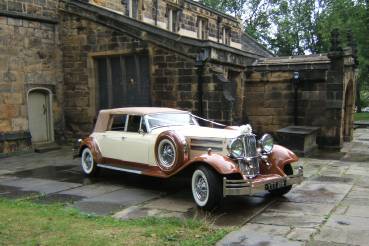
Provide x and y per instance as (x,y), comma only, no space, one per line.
(40,115)
(348,113)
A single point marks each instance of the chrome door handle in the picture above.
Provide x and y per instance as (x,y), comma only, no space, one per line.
(123,138)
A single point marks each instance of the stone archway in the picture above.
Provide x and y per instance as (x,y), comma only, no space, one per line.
(348,111)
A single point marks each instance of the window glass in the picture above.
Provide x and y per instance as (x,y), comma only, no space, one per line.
(202,28)
(172,15)
(133,123)
(119,122)
(176,119)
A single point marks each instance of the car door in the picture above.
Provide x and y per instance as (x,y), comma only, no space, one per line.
(135,144)
(110,141)
(124,140)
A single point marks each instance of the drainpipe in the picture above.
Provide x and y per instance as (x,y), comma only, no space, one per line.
(295,81)
(219,20)
(156,3)
(201,58)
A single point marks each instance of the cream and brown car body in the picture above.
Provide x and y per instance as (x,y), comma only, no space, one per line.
(162,142)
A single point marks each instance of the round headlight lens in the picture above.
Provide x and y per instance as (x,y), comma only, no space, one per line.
(267,143)
(236,148)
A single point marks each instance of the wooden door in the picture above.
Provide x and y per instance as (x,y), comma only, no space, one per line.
(38,110)
(123,81)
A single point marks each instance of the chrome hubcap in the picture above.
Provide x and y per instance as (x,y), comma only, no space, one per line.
(201,188)
(166,153)
(87,161)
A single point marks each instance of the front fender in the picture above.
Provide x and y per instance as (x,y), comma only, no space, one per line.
(279,157)
(222,164)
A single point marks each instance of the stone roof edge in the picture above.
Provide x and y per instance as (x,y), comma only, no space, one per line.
(162,32)
(258,43)
(212,10)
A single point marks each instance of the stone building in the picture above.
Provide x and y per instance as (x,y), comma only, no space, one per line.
(62,61)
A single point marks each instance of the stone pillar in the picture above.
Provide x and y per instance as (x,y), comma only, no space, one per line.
(331,132)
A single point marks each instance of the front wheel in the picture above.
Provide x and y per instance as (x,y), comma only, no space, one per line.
(284,190)
(206,187)
(88,163)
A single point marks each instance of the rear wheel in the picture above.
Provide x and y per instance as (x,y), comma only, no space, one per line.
(88,163)
(206,187)
(281,191)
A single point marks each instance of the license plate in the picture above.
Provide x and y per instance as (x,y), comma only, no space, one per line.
(275,185)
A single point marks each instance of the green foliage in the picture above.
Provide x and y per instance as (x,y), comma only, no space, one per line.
(361,116)
(364,98)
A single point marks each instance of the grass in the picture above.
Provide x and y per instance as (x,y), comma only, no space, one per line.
(361,116)
(27,223)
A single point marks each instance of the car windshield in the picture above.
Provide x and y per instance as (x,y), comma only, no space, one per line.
(170,119)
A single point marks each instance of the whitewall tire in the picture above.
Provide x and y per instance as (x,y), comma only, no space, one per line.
(88,163)
(206,187)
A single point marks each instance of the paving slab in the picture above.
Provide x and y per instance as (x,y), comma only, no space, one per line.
(134,212)
(12,192)
(318,192)
(299,209)
(301,234)
(92,190)
(288,219)
(345,222)
(112,202)
(275,230)
(178,202)
(343,236)
(235,211)
(252,238)
(42,186)
(353,210)
(324,243)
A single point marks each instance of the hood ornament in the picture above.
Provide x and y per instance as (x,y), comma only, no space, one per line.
(245,129)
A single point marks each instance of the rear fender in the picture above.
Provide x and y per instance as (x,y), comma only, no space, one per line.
(93,146)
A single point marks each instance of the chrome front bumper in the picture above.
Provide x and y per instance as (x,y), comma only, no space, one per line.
(251,187)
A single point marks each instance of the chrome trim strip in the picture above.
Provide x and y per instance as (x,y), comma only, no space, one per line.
(205,148)
(205,141)
(119,169)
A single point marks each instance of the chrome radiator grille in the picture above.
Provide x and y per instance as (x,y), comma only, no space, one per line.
(250,168)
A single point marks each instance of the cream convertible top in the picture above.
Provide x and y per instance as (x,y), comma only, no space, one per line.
(104,115)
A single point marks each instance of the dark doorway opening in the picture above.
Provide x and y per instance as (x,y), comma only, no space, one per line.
(123,81)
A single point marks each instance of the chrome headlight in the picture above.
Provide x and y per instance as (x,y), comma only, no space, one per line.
(266,143)
(236,148)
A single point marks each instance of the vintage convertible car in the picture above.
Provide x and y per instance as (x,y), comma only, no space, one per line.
(162,142)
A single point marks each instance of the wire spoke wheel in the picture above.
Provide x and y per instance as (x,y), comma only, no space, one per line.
(167,153)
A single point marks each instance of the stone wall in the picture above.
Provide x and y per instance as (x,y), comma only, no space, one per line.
(81,41)
(117,5)
(155,13)
(175,84)
(174,78)
(270,99)
(30,57)
(323,81)
(38,8)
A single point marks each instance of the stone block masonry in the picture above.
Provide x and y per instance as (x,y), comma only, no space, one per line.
(30,58)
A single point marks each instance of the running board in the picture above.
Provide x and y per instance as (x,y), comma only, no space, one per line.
(119,169)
